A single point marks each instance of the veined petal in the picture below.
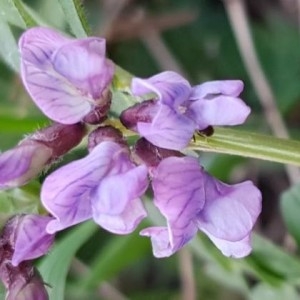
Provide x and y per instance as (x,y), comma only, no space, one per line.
(67,192)
(116,203)
(82,62)
(31,238)
(62,78)
(219,87)
(179,195)
(230,211)
(22,163)
(178,188)
(168,129)
(171,88)
(236,249)
(38,44)
(219,111)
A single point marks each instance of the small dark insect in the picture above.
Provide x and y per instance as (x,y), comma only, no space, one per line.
(208,131)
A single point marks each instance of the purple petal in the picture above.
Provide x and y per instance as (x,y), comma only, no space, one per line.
(224,87)
(171,88)
(219,111)
(179,195)
(179,189)
(230,211)
(22,163)
(83,63)
(160,241)
(120,210)
(64,77)
(38,44)
(67,192)
(31,238)
(168,129)
(236,249)
(168,240)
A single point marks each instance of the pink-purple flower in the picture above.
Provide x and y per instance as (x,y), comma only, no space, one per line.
(28,237)
(24,162)
(105,185)
(177,109)
(192,200)
(23,238)
(66,78)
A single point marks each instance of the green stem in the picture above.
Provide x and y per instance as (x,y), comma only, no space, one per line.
(248,144)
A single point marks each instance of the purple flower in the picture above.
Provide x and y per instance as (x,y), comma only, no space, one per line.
(66,78)
(192,200)
(105,186)
(23,238)
(178,109)
(28,237)
(26,284)
(24,162)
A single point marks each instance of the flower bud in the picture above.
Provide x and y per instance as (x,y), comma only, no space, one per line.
(27,284)
(141,112)
(24,162)
(146,153)
(105,133)
(23,238)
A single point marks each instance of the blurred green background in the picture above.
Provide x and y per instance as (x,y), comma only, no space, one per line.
(196,39)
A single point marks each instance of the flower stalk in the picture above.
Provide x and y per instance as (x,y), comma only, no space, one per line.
(249,144)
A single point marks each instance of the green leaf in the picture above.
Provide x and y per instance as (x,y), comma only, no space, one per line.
(9,49)
(54,267)
(75,17)
(290,208)
(118,253)
(266,292)
(27,19)
(271,263)
(10,13)
(19,200)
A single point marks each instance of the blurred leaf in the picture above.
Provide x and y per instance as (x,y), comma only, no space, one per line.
(271,263)
(118,253)
(266,292)
(9,49)
(10,13)
(290,208)
(19,200)
(54,267)
(75,16)
(25,125)
(27,19)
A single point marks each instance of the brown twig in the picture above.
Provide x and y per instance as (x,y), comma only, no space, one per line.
(188,285)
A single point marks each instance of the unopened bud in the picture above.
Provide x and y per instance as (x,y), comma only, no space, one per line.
(146,153)
(141,112)
(105,133)
(23,238)
(24,162)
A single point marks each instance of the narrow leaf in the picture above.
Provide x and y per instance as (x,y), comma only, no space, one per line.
(75,17)
(290,208)
(54,267)
(9,49)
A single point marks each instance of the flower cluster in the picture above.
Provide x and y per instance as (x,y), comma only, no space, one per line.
(69,80)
